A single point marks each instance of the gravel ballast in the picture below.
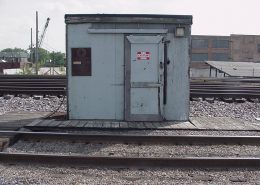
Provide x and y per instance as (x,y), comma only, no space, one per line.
(26,174)
(173,132)
(134,150)
(246,111)
(44,174)
(47,104)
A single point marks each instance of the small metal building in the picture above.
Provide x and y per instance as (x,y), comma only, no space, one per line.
(131,67)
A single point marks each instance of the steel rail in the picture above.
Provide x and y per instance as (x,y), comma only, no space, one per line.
(180,139)
(167,162)
(223,95)
(25,88)
(225,85)
(245,91)
(63,77)
(202,87)
(32,76)
(83,160)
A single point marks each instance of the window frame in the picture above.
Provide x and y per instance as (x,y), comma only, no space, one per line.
(199,54)
(200,47)
(215,43)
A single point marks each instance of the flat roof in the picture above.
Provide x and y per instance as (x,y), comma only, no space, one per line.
(210,36)
(243,69)
(128,18)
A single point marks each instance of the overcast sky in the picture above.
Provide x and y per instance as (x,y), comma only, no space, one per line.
(210,17)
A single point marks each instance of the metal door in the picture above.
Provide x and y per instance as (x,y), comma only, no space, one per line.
(143,78)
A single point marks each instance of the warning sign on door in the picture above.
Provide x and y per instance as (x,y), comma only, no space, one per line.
(143,55)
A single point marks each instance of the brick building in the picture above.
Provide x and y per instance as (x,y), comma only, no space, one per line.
(245,48)
(236,48)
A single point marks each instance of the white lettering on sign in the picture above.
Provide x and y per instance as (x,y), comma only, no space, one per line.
(76,62)
(143,55)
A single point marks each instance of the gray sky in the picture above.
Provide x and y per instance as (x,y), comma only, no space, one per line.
(210,17)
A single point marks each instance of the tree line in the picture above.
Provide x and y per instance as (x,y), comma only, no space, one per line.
(46,58)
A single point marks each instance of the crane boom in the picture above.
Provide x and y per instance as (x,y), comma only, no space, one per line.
(44,31)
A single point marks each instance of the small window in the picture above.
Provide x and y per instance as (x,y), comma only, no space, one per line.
(220,56)
(220,43)
(199,43)
(258,48)
(199,57)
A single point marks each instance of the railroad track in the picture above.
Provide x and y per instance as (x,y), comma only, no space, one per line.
(33,85)
(225,88)
(199,87)
(83,160)
(155,139)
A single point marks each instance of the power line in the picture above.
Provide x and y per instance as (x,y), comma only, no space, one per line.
(49,47)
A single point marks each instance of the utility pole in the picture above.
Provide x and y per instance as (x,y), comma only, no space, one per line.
(37,51)
(31,47)
(53,62)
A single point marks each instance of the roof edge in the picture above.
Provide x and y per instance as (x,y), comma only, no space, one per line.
(128,18)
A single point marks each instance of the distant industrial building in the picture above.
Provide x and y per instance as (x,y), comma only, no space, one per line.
(10,60)
(14,56)
(215,48)
(245,48)
(235,48)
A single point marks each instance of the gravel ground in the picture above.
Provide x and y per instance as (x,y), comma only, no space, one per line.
(47,104)
(174,132)
(246,111)
(134,150)
(49,175)
(43,174)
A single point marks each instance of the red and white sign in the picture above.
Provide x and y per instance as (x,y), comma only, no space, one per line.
(143,55)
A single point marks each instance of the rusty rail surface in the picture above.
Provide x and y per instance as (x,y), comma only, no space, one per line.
(153,139)
(81,160)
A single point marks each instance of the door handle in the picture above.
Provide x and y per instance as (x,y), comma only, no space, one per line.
(161,65)
(144,84)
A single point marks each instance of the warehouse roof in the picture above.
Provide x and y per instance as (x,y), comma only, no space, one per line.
(128,18)
(243,69)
